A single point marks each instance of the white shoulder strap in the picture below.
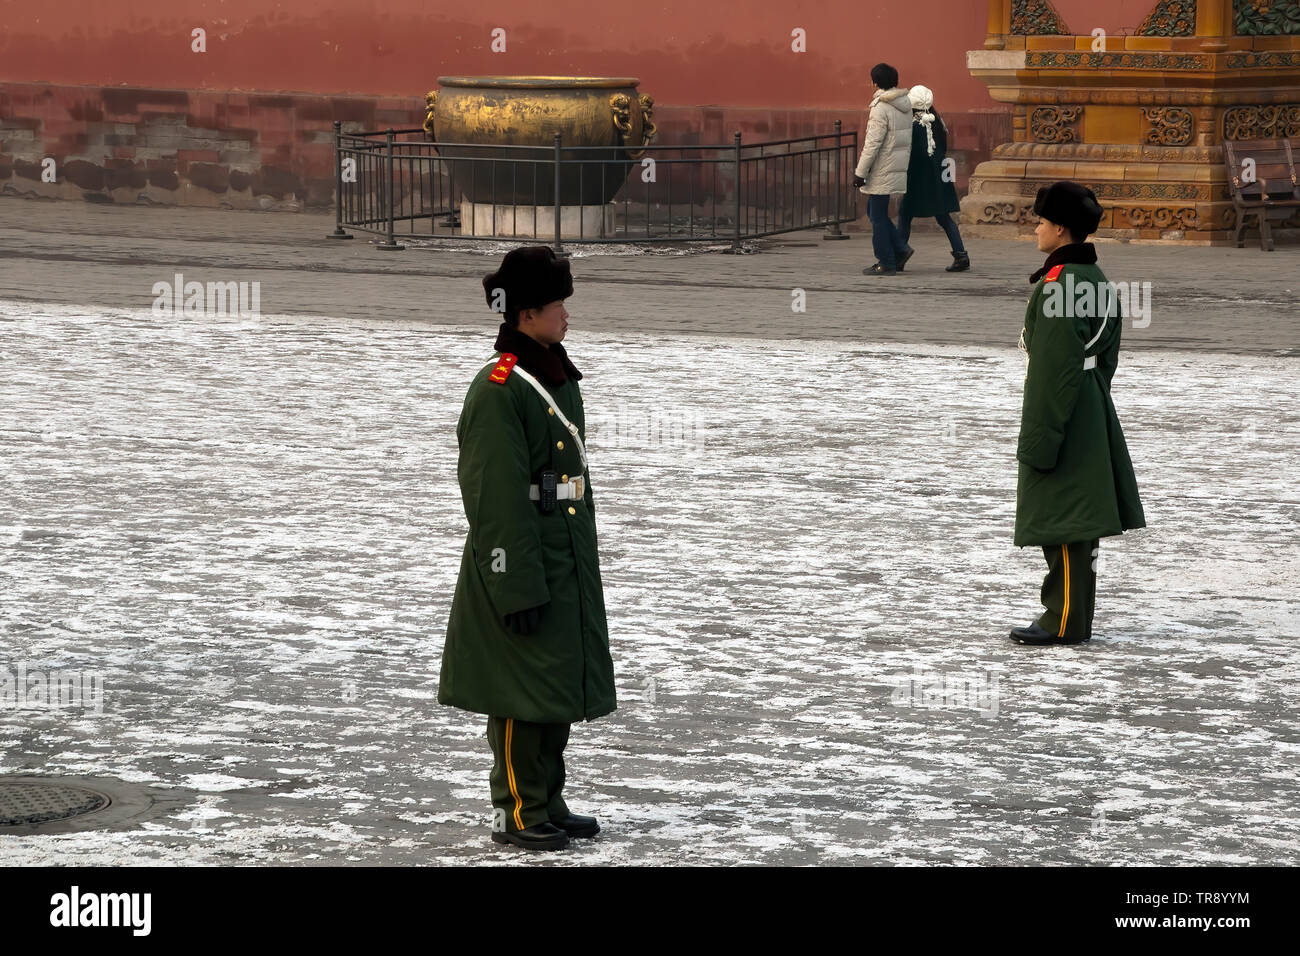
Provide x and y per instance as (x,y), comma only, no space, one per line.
(1093,341)
(550,403)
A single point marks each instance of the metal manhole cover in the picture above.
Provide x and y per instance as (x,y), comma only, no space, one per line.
(28,803)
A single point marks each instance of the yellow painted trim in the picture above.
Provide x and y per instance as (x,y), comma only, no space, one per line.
(1065,553)
(510,773)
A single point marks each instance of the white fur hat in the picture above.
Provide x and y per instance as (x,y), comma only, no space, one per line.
(922,99)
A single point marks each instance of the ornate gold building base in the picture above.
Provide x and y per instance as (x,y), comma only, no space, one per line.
(1141,122)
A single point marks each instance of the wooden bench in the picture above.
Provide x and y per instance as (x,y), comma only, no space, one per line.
(1272,195)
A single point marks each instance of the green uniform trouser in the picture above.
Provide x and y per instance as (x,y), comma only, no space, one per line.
(528,773)
(1070,589)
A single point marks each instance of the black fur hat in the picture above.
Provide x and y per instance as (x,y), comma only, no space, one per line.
(1070,205)
(530,277)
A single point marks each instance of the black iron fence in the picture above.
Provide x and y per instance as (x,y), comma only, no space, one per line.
(399,183)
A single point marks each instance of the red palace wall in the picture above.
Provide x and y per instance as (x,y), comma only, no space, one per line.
(114,94)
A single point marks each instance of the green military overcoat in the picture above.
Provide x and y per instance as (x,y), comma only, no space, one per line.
(1076,479)
(517,558)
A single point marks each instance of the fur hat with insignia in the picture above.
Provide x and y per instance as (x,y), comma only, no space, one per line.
(1070,205)
(529,278)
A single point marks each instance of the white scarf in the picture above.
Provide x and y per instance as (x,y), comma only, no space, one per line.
(922,100)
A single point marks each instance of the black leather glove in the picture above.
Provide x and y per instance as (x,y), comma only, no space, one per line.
(524,622)
(859,181)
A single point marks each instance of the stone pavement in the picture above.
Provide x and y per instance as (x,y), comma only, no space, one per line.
(250,529)
(1239,300)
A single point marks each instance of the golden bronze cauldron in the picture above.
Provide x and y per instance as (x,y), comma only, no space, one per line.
(486,111)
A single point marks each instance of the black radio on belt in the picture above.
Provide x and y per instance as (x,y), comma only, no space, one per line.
(546,492)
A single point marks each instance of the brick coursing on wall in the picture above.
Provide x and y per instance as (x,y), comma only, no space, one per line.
(249,150)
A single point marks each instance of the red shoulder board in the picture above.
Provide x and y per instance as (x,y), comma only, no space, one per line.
(504,367)
(1053,273)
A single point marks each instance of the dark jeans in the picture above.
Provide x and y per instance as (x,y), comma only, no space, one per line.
(885,240)
(944,220)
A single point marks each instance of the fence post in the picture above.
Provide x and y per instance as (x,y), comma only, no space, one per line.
(839,184)
(853,151)
(735,237)
(452,219)
(453,204)
(338,232)
(559,245)
(390,243)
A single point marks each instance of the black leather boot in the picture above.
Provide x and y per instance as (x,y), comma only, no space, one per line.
(1033,634)
(960,262)
(578,826)
(540,836)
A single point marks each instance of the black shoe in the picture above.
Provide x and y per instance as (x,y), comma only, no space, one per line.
(902,260)
(960,262)
(879,270)
(540,836)
(1033,634)
(578,826)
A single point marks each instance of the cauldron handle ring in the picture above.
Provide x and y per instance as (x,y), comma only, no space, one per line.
(620,105)
(430,104)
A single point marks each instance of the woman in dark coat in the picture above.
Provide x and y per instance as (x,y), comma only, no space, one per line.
(929,191)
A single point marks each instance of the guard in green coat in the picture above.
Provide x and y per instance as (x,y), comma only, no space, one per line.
(1076,482)
(527,642)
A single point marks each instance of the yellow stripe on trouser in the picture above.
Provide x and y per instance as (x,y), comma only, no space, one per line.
(1065,613)
(510,773)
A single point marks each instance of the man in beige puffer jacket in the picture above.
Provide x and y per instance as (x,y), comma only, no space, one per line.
(882,168)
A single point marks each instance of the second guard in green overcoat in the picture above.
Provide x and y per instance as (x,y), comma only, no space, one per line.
(1076,483)
(527,641)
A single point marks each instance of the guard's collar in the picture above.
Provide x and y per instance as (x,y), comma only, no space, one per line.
(1076,253)
(551,365)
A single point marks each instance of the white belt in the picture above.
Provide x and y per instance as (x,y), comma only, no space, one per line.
(573,490)
(1089,362)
